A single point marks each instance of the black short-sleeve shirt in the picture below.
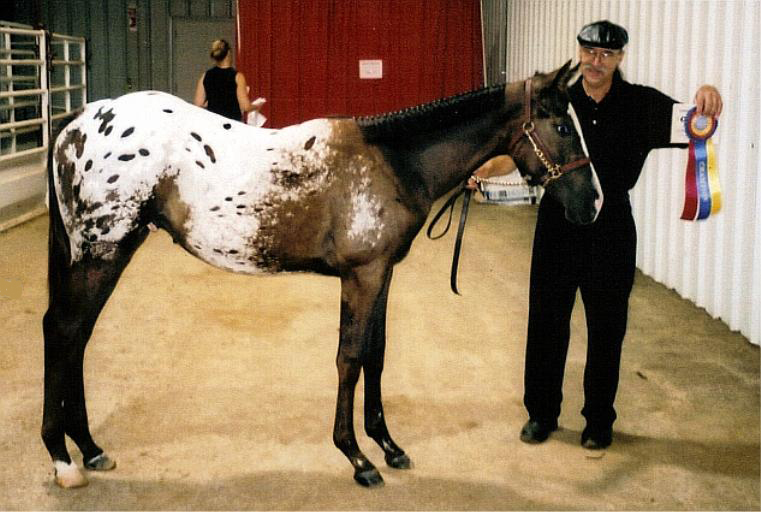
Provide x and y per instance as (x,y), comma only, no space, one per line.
(219,84)
(621,130)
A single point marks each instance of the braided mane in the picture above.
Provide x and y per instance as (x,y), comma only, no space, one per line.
(421,119)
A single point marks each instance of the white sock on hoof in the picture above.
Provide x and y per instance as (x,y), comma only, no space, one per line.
(68,476)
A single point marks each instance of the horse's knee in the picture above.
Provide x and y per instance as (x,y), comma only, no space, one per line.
(349,367)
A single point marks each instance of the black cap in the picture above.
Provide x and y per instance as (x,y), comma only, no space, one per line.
(603,34)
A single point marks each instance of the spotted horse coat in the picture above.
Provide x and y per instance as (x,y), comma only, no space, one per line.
(237,197)
(342,197)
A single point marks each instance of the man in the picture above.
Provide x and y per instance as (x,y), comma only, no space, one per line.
(620,123)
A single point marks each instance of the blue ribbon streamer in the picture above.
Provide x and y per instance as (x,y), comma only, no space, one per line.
(701,170)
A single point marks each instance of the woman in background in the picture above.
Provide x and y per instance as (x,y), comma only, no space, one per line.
(222,89)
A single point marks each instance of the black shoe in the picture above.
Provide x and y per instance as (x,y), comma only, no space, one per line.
(595,438)
(534,431)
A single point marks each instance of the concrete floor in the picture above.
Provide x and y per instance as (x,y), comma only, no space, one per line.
(217,391)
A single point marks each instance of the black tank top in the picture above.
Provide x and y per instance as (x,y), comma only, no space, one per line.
(220,87)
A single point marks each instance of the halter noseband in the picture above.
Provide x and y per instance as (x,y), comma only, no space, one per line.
(554,171)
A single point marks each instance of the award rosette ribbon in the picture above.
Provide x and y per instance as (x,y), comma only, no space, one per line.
(702,192)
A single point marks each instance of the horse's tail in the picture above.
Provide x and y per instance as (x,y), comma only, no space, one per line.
(59,251)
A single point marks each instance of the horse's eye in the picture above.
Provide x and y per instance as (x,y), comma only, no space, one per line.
(564,130)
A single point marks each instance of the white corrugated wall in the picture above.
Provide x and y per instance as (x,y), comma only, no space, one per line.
(675,46)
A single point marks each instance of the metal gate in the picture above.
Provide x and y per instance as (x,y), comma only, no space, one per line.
(43,79)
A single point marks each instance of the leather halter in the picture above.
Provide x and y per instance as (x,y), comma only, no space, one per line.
(554,171)
(528,129)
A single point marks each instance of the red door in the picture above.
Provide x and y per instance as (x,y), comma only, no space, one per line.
(304,55)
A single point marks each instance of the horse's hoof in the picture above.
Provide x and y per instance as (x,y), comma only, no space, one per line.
(68,476)
(100,462)
(369,478)
(401,461)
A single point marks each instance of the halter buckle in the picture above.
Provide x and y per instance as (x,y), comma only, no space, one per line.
(554,172)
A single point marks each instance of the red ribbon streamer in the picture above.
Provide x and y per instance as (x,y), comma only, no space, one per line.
(690,188)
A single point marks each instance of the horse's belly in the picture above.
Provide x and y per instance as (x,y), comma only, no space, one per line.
(267,236)
(224,244)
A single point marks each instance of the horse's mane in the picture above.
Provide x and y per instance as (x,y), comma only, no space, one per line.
(421,119)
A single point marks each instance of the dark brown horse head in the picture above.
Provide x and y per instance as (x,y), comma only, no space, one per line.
(548,149)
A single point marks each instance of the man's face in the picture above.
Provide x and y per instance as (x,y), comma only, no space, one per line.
(598,64)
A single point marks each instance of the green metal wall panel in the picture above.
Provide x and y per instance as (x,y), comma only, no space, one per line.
(120,60)
(144,29)
(179,8)
(116,46)
(97,56)
(222,8)
(159,44)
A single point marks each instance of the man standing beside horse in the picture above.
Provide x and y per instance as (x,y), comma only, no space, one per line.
(621,123)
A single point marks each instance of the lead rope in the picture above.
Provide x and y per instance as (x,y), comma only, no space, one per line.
(466,193)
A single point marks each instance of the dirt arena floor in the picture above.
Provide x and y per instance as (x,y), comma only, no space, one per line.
(216,391)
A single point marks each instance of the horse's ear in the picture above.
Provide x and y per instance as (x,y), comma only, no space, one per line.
(563,75)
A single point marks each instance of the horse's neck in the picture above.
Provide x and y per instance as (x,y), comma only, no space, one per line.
(446,161)
(457,152)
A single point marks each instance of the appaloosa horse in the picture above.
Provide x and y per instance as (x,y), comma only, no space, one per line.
(342,197)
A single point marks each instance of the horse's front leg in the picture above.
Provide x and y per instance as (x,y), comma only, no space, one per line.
(375,421)
(361,288)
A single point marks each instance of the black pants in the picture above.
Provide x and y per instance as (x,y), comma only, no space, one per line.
(599,260)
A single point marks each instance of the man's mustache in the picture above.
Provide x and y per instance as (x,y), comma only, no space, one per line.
(586,67)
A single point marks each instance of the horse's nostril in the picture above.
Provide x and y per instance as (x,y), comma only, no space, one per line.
(582,216)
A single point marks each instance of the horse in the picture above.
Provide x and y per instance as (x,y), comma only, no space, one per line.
(343,197)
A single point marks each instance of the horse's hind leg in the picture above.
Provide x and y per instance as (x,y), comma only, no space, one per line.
(78,293)
(375,421)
